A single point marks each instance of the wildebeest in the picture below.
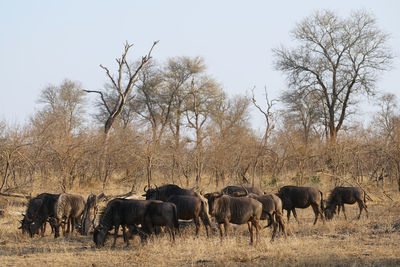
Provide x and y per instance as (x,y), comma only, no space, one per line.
(166,191)
(69,209)
(89,214)
(236,210)
(120,212)
(301,197)
(271,209)
(160,213)
(43,209)
(34,205)
(240,190)
(345,195)
(192,207)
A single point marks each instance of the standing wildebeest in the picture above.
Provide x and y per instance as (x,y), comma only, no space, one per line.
(192,207)
(160,213)
(120,212)
(271,209)
(236,210)
(345,195)
(42,210)
(301,197)
(240,190)
(69,209)
(166,191)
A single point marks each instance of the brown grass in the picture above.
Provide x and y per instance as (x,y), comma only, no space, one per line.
(372,241)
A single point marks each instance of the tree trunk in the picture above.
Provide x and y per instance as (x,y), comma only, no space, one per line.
(103,159)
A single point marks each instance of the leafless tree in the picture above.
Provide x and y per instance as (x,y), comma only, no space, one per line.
(122,84)
(337,59)
(204,96)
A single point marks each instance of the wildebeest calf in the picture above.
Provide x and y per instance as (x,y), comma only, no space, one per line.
(345,195)
(236,210)
(301,197)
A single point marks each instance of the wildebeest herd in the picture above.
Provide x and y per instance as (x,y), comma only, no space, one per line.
(164,206)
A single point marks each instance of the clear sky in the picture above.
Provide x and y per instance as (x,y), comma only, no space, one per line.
(44,42)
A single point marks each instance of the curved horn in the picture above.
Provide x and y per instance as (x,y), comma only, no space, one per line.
(144,189)
(247,192)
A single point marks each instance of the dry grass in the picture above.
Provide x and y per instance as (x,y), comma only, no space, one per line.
(372,241)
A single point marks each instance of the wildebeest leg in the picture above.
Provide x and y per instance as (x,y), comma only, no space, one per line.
(362,206)
(197,223)
(125,235)
(317,211)
(282,227)
(288,215)
(43,229)
(250,226)
(295,215)
(115,235)
(220,229)
(274,226)
(344,212)
(226,226)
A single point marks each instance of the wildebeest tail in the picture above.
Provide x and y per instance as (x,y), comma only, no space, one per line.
(322,200)
(175,214)
(204,214)
(365,200)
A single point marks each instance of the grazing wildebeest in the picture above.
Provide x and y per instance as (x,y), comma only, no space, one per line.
(160,213)
(69,209)
(301,197)
(89,214)
(236,210)
(271,209)
(166,191)
(43,212)
(32,210)
(192,207)
(345,195)
(233,190)
(120,212)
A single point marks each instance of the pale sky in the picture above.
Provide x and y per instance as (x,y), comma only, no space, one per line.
(44,42)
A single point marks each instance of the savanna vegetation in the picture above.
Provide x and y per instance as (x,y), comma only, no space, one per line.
(172,122)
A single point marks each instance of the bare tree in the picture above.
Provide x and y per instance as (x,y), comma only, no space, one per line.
(387,116)
(203,97)
(269,117)
(122,84)
(337,59)
(177,74)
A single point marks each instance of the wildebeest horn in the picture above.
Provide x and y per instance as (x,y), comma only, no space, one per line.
(247,192)
(144,189)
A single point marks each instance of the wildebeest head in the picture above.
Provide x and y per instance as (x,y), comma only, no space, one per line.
(99,236)
(329,211)
(150,193)
(211,199)
(25,223)
(33,228)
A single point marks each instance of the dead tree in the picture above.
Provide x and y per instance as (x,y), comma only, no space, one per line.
(123,90)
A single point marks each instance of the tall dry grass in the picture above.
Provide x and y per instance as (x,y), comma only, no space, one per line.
(372,241)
